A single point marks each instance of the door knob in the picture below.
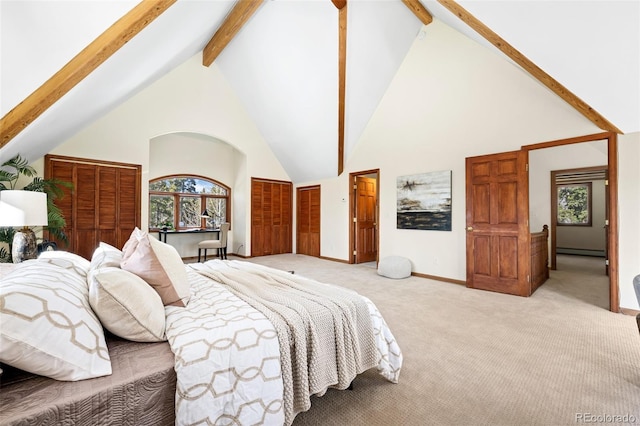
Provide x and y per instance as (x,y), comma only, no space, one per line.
(469,228)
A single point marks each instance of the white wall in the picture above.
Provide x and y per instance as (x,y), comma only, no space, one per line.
(628,217)
(190,99)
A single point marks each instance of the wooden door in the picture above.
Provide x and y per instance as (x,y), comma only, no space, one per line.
(497,223)
(365,219)
(271,218)
(103,205)
(308,220)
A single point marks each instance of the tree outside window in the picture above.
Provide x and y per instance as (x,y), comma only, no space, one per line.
(574,204)
(177,202)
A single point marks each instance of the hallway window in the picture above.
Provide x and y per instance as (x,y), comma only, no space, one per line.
(178,202)
(574,204)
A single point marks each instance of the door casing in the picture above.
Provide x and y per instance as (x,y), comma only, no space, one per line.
(353,199)
(612,200)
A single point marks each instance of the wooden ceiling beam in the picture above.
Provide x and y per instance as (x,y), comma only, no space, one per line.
(419,10)
(564,93)
(79,67)
(342,78)
(239,15)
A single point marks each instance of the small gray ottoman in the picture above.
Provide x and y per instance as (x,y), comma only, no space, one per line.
(394,267)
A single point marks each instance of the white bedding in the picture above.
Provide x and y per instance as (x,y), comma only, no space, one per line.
(228,359)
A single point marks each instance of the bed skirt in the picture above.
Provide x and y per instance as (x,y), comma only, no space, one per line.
(141,391)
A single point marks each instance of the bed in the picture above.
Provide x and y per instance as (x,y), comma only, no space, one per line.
(160,342)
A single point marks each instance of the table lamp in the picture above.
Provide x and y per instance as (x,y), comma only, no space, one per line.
(23,209)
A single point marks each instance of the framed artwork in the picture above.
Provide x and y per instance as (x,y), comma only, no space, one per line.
(424,201)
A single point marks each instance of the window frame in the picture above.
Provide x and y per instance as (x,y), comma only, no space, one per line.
(203,198)
(588,186)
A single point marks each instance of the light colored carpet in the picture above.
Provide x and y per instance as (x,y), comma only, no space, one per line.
(474,357)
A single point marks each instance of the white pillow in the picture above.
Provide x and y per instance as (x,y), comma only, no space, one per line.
(105,255)
(126,305)
(160,265)
(48,326)
(66,259)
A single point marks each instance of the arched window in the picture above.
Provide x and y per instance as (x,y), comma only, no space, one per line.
(188,202)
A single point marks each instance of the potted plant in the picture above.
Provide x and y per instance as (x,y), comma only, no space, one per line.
(10,171)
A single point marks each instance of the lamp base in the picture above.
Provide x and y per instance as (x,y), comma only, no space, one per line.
(24,245)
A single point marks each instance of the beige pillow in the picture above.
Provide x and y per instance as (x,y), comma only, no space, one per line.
(126,305)
(48,326)
(160,265)
(105,255)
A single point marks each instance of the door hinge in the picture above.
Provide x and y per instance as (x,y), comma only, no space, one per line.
(355,186)
(354,220)
(527,167)
(528,278)
(606,182)
(606,222)
(354,252)
(606,262)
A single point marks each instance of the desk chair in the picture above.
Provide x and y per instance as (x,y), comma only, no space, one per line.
(220,244)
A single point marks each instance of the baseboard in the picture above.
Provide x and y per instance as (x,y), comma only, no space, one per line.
(333,259)
(580,252)
(437,278)
(628,311)
(193,259)
(415,274)
(242,256)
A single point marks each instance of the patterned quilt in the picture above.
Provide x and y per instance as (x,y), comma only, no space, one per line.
(227,343)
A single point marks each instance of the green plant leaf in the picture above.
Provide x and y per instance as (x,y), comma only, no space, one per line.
(11,170)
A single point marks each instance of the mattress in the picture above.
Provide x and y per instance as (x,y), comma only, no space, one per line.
(141,391)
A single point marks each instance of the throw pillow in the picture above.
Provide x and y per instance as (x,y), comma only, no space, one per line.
(48,326)
(126,305)
(160,265)
(105,255)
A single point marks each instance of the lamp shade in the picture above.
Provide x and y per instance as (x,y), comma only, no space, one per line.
(23,208)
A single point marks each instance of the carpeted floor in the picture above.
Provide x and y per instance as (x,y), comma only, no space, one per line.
(473,357)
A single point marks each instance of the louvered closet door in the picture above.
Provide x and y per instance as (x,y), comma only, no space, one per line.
(104,204)
(85,211)
(271,218)
(308,220)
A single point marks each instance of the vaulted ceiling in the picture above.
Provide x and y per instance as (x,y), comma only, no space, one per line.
(283,63)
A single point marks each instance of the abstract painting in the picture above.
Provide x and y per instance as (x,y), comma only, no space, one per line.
(424,201)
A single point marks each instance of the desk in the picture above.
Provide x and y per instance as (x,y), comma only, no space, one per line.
(187,231)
